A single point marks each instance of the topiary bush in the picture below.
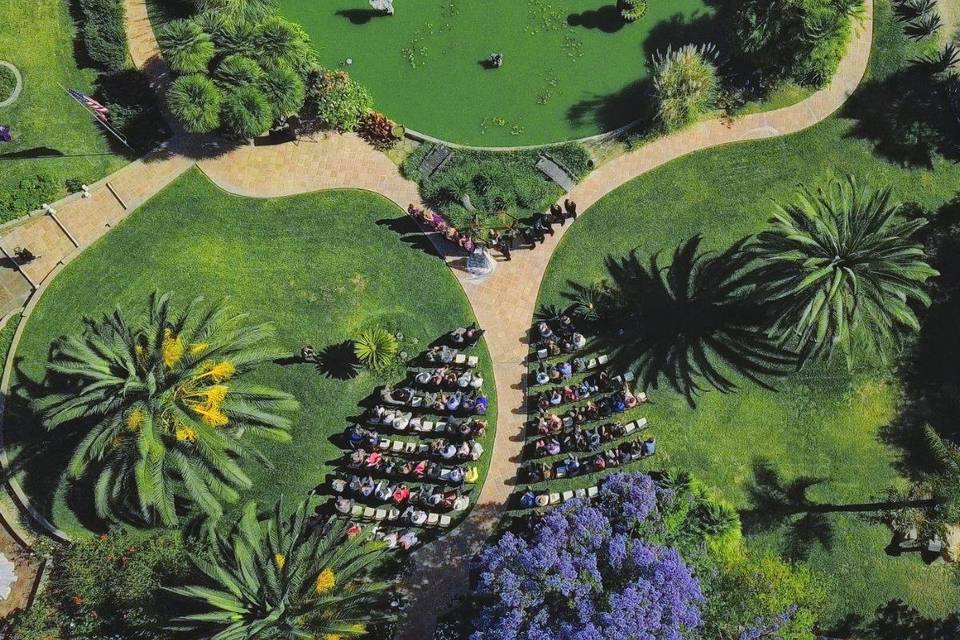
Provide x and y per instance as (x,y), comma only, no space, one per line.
(246,113)
(195,102)
(104,35)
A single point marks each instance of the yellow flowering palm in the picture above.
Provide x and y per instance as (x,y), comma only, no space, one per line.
(163,406)
(280,577)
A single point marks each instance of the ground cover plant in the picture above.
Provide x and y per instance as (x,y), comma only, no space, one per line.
(52,136)
(344,272)
(502,188)
(849,434)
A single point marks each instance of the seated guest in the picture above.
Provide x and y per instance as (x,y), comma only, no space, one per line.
(401,494)
(649,447)
(579,341)
(566,370)
(528,499)
(542,377)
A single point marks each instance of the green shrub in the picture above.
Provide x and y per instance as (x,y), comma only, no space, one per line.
(185,46)
(281,40)
(284,89)
(337,101)
(107,587)
(410,168)
(573,157)
(246,113)
(195,102)
(104,35)
(238,71)
(632,10)
(685,82)
(8,83)
(817,68)
(29,194)
(237,10)
(73,185)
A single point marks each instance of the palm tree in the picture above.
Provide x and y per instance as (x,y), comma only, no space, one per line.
(285,578)
(195,101)
(841,264)
(163,407)
(683,322)
(185,46)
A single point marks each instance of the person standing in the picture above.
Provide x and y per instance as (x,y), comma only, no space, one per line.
(557,213)
(571,208)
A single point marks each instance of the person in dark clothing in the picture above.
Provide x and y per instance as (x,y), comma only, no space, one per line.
(571,208)
(541,223)
(557,214)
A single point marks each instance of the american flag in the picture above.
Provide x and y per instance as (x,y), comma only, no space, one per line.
(102,112)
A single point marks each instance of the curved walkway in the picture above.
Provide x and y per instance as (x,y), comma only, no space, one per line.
(502,302)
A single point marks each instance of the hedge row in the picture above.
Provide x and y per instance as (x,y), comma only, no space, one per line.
(104,36)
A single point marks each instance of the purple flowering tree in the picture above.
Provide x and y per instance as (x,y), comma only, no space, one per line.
(585,573)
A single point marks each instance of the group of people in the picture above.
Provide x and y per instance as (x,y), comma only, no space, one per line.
(438,223)
(599,383)
(504,240)
(558,336)
(399,494)
(449,378)
(583,440)
(394,467)
(573,465)
(459,402)
(549,423)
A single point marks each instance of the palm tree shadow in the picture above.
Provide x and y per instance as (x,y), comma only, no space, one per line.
(338,361)
(896,620)
(697,323)
(777,503)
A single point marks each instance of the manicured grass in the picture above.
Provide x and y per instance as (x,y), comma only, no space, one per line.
(824,421)
(51,133)
(576,57)
(320,267)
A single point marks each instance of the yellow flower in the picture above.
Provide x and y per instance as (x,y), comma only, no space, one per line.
(280,560)
(172,349)
(135,419)
(197,348)
(184,432)
(325,581)
(216,394)
(220,371)
(333,636)
(212,416)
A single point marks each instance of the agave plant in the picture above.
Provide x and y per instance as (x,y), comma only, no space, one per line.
(163,407)
(925,26)
(284,578)
(185,46)
(840,264)
(376,348)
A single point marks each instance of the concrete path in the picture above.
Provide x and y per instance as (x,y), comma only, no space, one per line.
(503,302)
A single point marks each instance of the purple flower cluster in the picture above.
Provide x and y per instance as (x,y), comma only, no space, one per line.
(583,574)
(765,629)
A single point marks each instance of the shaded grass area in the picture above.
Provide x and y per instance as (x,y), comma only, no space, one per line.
(823,422)
(320,267)
(51,133)
(571,68)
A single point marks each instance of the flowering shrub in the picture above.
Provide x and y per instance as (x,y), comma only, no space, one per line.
(337,101)
(587,573)
(377,129)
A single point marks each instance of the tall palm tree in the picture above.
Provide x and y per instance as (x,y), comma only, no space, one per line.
(286,579)
(697,319)
(840,264)
(164,407)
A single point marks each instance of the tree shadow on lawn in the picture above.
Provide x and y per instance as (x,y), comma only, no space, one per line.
(43,455)
(928,369)
(906,117)
(607,112)
(896,620)
(607,19)
(690,324)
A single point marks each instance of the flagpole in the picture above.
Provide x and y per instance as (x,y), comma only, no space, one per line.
(98,119)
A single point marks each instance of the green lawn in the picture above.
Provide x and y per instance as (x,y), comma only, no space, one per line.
(572,68)
(52,134)
(824,421)
(320,267)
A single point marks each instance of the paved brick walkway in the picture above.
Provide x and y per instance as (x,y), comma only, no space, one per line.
(503,302)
